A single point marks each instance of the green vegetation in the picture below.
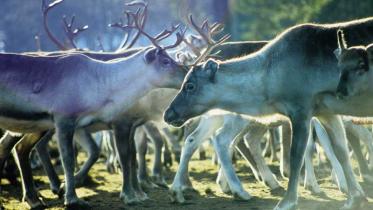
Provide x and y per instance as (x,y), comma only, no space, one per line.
(263,19)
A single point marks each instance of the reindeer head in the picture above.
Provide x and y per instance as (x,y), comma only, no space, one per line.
(354,65)
(196,95)
(169,73)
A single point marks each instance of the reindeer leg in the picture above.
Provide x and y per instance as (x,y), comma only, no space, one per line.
(42,150)
(252,139)
(157,139)
(301,124)
(141,195)
(22,157)
(181,180)
(221,142)
(334,125)
(65,127)
(355,134)
(285,143)
(87,142)
(310,181)
(246,154)
(122,132)
(7,143)
(274,136)
(167,156)
(141,142)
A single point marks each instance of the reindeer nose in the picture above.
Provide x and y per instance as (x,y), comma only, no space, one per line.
(170,115)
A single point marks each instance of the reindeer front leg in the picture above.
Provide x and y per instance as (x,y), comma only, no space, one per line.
(65,127)
(221,142)
(334,125)
(300,119)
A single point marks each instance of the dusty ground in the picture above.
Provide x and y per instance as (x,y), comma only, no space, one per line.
(103,192)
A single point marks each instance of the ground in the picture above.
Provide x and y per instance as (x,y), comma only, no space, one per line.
(103,191)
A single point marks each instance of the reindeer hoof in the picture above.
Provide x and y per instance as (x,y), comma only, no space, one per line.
(77,204)
(146,184)
(141,196)
(159,180)
(34,202)
(59,191)
(286,205)
(129,198)
(242,195)
(176,196)
(272,183)
(355,202)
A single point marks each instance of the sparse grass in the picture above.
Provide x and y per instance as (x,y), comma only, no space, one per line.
(103,191)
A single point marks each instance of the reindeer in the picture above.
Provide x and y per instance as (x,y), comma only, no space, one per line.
(229,129)
(295,75)
(355,63)
(112,89)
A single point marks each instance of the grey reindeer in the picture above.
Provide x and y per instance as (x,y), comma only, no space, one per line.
(297,75)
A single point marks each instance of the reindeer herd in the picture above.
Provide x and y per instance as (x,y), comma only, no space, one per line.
(305,81)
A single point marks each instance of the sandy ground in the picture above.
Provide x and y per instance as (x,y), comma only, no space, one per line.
(103,191)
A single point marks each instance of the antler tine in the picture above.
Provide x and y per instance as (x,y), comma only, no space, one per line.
(179,39)
(216,28)
(135,20)
(207,36)
(135,3)
(139,27)
(70,32)
(143,21)
(198,29)
(45,10)
(166,33)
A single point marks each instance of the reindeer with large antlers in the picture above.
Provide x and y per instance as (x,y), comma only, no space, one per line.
(51,89)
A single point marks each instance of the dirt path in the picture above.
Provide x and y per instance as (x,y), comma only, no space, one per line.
(103,192)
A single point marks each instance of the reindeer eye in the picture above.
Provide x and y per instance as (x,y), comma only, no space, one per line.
(190,86)
(166,61)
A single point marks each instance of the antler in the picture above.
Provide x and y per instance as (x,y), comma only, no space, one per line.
(138,19)
(72,33)
(141,15)
(45,10)
(206,32)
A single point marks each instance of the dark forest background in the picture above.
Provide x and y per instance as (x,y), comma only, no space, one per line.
(21,20)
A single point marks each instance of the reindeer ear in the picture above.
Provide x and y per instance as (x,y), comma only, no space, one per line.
(150,55)
(342,46)
(211,67)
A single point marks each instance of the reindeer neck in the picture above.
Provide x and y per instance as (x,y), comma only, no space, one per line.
(130,79)
(247,75)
